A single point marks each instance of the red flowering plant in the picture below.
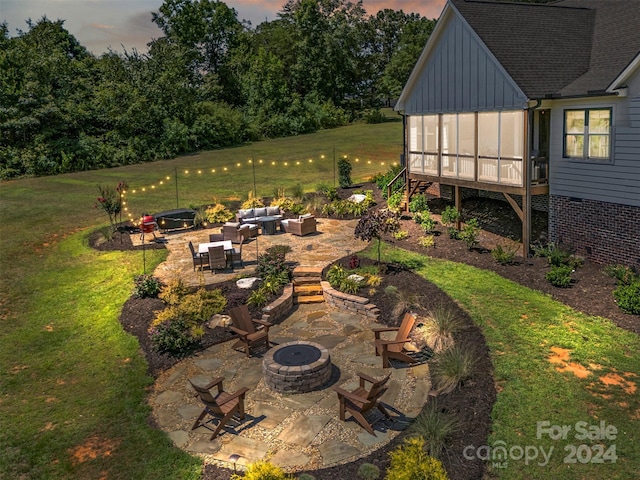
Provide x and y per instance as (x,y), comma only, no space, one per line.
(110,200)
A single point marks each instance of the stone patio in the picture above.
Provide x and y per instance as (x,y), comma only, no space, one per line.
(294,431)
(333,240)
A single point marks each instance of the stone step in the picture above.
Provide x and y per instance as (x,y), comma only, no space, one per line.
(307,280)
(301,290)
(309,299)
(302,271)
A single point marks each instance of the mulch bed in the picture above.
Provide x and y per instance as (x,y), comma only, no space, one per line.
(590,292)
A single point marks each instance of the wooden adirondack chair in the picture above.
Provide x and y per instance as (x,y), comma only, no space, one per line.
(244,326)
(359,401)
(395,348)
(222,406)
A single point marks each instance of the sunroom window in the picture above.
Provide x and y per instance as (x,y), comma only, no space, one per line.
(587,134)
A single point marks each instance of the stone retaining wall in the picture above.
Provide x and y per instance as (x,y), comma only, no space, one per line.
(346,301)
(281,307)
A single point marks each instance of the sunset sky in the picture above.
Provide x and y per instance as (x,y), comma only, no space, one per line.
(99,24)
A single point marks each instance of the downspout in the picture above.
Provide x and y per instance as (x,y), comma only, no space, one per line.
(526,204)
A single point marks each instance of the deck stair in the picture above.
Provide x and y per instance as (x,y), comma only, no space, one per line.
(306,285)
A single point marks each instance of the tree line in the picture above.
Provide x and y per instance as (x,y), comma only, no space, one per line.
(211,81)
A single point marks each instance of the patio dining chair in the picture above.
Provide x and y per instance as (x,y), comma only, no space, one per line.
(235,255)
(217,258)
(199,259)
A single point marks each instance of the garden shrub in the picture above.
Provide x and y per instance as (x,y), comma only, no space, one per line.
(425,221)
(628,297)
(175,335)
(262,470)
(344,173)
(146,286)
(427,241)
(349,285)
(335,275)
(505,255)
(434,426)
(200,306)
(373,115)
(297,191)
(354,261)
(257,298)
(418,203)
(623,274)
(382,180)
(450,216)
(453,233)
(451,367)
(400,234)
(272,263)
(470,233)
(330,192)
(372,279)
(409,461)
(394,201)
(342,208)
(218,213)
(286,204)
(252,202)
(559,276)
(439,326)
(200,218)
(368,471)
(173,292)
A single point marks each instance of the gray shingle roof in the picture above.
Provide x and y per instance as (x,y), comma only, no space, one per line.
(567,48)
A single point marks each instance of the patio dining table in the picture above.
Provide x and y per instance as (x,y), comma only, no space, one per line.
(226,244)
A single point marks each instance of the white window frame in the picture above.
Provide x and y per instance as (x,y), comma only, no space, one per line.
(587,134)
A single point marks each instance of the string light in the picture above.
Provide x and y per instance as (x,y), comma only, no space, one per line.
(239,165)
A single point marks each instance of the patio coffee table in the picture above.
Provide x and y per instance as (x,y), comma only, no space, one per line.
(268,225)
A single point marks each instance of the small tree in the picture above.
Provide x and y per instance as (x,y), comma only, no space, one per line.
(375,224)
(110,200)
(344,173)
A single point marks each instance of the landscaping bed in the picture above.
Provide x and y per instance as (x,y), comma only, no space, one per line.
(590,292)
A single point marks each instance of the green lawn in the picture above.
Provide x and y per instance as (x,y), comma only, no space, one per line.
(73,384)
(521,326)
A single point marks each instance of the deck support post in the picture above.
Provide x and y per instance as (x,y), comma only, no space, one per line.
(458,204)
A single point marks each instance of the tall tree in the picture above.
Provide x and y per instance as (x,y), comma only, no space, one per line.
(212,29)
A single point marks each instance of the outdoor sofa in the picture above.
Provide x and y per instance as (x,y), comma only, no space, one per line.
(255,215)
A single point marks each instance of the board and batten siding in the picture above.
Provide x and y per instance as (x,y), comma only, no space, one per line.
(614,182)
(461,75)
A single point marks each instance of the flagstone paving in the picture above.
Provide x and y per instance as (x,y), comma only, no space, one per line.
(333,240)
(294,431)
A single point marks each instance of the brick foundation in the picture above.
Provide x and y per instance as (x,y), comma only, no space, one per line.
(603,232)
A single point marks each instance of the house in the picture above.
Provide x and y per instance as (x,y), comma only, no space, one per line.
(538,104)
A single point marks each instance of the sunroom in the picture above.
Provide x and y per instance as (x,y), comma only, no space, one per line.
(484,150)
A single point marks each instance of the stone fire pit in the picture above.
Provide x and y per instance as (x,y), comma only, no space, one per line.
(297,367)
